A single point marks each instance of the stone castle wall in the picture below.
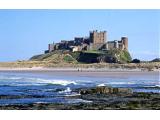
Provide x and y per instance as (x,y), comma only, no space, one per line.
(95,41)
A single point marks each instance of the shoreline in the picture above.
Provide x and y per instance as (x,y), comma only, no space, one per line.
(94,67)
(73,69)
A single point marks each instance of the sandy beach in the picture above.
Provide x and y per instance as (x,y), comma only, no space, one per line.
(96,67)
(83,72)
(73,69)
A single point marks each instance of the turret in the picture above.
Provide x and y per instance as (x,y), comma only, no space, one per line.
(98,37)
(125,42)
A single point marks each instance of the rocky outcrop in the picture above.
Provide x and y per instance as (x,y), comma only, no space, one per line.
(109,56)
(156,60)
(106,90)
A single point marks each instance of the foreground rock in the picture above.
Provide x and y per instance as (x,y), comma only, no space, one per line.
(102,98)
(106,90)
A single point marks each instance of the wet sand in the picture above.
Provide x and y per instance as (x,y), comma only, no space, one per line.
(85,73)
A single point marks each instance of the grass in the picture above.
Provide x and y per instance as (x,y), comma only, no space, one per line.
(68,58)
(125,56)
(93,51)
(89,56)
(75,55)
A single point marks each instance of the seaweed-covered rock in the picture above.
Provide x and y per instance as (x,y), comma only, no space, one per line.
(105,90)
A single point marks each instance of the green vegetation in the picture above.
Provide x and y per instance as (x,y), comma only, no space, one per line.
(68,58)
(55,57)
(97,59)
(93,51)
(125,56)
(91,56)
(75,55)
(88,57)
(41,57)
(109,56)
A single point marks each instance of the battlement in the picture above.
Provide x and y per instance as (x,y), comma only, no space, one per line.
(95,41)
(97,37)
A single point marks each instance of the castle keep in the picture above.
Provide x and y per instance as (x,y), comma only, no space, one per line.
(95,41)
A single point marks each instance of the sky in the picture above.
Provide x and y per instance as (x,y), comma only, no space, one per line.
(24,33)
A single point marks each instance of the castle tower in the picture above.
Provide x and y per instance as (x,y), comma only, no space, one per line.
(115,43)
(51,47)
(98,37)
(125,42)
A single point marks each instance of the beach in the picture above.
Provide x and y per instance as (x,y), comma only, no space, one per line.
(76,69)
(91,72)
(49,65)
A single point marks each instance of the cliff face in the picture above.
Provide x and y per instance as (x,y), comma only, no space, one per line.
(110,56)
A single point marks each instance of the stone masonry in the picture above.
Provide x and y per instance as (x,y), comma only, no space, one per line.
(95,41)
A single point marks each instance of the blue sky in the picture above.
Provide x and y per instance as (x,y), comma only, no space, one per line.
(24,33)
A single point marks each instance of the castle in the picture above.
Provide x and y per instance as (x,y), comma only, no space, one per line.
(95,41)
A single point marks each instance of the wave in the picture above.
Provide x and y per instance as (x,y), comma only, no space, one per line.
(10,78)
(121,83)
(152,86)
(78,101)
(27,81)
(115,83)
(41,81)
(147,90)
(57,82)
(100,85)
(157,85)
(68,90)
(73,94)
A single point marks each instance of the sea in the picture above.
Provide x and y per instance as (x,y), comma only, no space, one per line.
(27,87)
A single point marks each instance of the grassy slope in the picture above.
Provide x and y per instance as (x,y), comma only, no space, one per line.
(69,59)
(110,56)
(85,56)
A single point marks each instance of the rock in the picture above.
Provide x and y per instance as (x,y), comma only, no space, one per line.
(156,60)
(86,91)
(125,90)
(135,61)
(105,90)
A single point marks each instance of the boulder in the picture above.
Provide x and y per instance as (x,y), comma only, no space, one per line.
(105,90)
(135,61)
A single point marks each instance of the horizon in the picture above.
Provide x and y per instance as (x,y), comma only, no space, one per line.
(24,33)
